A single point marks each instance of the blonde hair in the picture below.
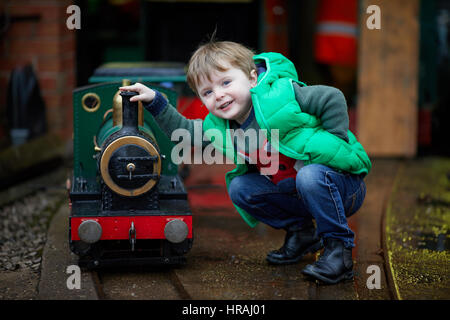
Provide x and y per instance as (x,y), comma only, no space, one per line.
(213,56)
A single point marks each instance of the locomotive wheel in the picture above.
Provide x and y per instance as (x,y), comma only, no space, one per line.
(110,153)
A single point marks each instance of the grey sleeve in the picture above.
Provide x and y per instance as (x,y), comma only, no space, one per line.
(326,103)
(169,120)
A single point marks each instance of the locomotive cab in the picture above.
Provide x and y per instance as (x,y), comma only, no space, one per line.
(128,203)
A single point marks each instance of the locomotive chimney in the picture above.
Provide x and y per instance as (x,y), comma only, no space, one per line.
(129,113)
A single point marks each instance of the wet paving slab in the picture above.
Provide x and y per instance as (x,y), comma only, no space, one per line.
(228,262)
(368,225)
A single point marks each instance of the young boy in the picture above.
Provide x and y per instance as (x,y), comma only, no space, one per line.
(320,165)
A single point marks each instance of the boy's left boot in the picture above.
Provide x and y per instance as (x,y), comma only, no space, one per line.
(296,244)
(335,265)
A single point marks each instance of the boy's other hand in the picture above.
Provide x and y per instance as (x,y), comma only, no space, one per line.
(145,93)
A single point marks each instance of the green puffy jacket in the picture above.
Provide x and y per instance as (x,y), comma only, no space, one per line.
(301,135)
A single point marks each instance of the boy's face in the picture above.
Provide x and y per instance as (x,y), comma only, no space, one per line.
(227,94)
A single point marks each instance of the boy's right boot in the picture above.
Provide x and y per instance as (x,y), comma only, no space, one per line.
(335,265)
(296,244)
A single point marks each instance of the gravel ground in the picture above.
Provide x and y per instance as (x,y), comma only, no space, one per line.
(23,233)
(23,230)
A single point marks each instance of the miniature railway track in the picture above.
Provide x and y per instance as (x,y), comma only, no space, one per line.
(98,285)
(102,283)
(184,295)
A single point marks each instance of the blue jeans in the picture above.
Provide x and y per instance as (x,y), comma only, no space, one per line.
(318,192)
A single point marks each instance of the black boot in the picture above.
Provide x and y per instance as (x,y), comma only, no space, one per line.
(296,245)
(334,265)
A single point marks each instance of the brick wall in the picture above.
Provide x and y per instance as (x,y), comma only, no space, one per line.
(49,46)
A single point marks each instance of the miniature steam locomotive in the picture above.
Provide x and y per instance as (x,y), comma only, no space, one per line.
(128,203)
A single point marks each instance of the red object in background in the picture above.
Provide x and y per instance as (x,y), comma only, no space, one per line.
(276,26)
(352,120)
(424,128)
(130,7)
(192,108)
(117,228)
(336,35)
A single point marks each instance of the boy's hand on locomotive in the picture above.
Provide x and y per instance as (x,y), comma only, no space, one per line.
(145,93)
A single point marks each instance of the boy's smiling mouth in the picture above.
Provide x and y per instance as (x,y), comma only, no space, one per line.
(225,105)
